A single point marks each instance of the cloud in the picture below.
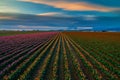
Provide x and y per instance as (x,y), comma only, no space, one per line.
(7,18)
(22,27)
(73,6)
(8,9)
(33,22)
(49,14)
(53,14)
(89,17)
(40,27)
(84,28)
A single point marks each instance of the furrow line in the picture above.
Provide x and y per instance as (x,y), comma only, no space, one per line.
(42,68)
(74,65)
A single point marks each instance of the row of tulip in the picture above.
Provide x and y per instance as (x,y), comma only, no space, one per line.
(36,64)
(13,60)
(106,64)
(66,68)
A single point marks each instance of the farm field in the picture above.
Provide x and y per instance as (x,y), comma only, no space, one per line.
(60,56)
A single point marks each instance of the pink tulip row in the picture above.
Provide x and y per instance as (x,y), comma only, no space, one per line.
(15,49)
(9,43)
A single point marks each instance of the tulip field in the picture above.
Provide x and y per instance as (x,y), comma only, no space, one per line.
(60,56)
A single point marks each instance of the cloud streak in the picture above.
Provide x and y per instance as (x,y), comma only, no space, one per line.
(73,6)
(7,18)
(57,14)
(89,17)
(40,27)
(84,28)
(49,14)
(8,9)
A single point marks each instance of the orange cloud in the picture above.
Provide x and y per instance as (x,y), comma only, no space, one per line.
(7,17)
(73,6)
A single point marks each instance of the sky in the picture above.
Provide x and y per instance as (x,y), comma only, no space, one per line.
(60,15)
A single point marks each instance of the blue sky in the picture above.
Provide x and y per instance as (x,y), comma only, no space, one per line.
(60,14)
